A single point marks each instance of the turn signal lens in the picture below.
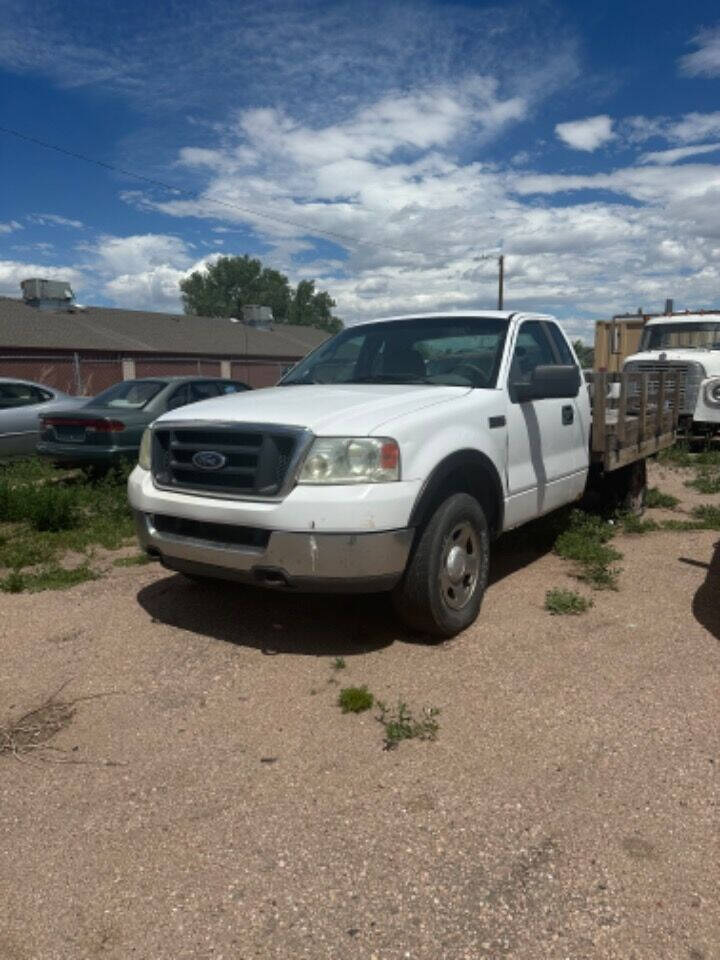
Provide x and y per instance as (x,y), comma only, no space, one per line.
(145,454)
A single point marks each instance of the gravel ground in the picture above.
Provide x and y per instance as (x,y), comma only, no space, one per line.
(221,806)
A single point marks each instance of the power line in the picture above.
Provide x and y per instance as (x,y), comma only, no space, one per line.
(152,181)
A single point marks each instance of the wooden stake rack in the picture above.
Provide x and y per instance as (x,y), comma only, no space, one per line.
(634,415)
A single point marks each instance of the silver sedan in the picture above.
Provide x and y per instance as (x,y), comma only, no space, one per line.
(22,403)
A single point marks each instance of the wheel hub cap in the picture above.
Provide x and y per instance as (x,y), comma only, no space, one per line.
(460,567)
(455,564)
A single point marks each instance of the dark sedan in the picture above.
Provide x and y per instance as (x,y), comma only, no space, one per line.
(109,428)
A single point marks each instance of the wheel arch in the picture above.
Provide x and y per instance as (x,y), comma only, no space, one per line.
(464,471)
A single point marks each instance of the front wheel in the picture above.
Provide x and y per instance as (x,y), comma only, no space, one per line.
(445,581)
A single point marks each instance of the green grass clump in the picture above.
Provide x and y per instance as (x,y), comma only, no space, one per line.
(584,542)
(51,577)
(560,602)
(339,663)
(708,515)
(656,498)
(138,560)
(355,699)
(705,482)
(24,551)
(682,526)
(677,456)
(46,513)
(633,524)
(401,725)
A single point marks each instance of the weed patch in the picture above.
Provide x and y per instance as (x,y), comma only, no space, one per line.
(339,663)
(705,482)
(708,515)
(584,542)
(138,560)
(355,699)
(52,577)
(46,513)
(656,498)
(561,602)
(633,524)
(401,725)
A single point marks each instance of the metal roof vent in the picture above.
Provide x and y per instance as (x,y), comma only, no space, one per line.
(257,316)
(47,294)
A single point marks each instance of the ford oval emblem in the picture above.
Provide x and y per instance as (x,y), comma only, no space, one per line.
(209,460)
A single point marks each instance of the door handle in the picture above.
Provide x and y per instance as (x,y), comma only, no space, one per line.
(568,415)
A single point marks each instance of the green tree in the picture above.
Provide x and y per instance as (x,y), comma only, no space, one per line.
(229,284)
(311,308)
(585,354)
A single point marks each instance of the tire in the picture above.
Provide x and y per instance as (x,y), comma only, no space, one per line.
(443,587)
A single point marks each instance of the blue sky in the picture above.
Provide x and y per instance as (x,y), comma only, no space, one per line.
(381,148)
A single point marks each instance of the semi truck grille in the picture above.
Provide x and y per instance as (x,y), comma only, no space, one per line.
(691,376)
(225,460)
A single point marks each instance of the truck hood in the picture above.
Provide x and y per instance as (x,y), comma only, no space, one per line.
(709,360)
(327,410)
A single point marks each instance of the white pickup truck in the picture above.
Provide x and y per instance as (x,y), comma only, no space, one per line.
(388,459)
(687,344)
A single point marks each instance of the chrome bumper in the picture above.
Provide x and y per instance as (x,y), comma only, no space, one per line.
(306,561)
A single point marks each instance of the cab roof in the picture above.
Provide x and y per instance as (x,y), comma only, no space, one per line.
(460,314)
(683,318)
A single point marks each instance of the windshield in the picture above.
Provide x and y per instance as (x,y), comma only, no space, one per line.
(666,336)
(129,395)
(454,351)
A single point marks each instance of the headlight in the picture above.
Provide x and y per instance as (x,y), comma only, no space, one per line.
(351,460)
(712,392)
(145,454)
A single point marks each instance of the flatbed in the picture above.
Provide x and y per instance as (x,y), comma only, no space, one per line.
(634,416)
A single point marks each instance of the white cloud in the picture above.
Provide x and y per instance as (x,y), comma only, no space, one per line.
(138,253)
(693,127)
(705,61)
(678,153)
(154,289)
(13,271)
(53,220)
(587,134)
(317,59)
(10,226)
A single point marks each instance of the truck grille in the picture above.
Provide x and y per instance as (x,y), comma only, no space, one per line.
(220,533)
(245,460)
(691,376)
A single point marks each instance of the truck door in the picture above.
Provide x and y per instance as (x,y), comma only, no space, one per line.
(547,449)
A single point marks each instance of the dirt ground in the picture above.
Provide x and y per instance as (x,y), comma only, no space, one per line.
(219,804)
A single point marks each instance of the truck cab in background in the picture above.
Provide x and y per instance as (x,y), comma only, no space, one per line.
(688,344)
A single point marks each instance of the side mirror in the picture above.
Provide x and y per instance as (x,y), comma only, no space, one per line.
(549,383)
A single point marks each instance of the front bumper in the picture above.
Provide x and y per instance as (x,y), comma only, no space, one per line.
(84,453)
(324,562)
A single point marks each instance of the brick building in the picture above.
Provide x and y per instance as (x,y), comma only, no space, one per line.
(86,349)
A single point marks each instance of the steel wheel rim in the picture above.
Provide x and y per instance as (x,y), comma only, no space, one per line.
(460,565)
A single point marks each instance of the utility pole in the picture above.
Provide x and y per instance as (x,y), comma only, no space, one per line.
(500,257)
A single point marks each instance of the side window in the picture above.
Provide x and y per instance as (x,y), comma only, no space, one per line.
(18,395)
(561,346)
(179,398)
(202,391)
(532,349)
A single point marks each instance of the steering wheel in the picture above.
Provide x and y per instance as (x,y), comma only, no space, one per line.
(477,377)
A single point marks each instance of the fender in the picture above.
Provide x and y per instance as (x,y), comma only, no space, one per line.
(465,470)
